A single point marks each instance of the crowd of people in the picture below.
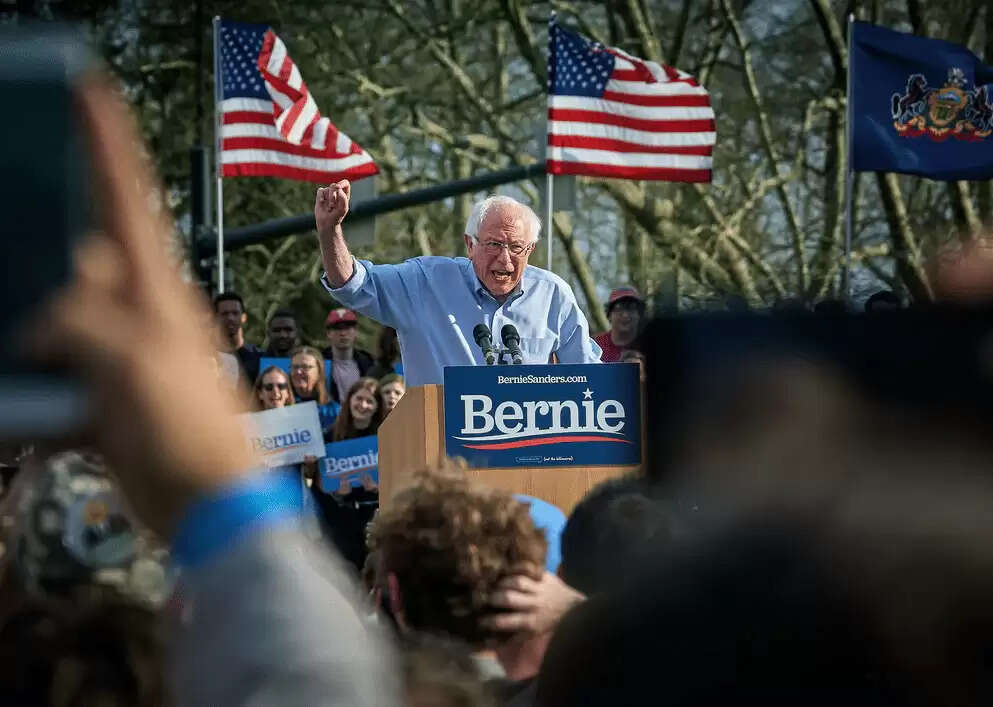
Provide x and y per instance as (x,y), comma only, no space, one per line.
(806,547)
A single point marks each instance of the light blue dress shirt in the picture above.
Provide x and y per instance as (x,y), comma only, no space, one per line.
(434,303)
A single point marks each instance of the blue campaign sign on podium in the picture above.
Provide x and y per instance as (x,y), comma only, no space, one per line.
(546,415)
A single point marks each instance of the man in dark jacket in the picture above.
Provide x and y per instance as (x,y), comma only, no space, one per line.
(348,363)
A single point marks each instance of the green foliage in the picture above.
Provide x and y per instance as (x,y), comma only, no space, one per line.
(438,91)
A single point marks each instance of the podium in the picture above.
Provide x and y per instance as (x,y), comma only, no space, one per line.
(512,434)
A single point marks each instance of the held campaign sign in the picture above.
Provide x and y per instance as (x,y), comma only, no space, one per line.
(552,415)
(285,435)
(350,460)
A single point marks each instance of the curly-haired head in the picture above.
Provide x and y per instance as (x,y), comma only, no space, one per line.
(449,542)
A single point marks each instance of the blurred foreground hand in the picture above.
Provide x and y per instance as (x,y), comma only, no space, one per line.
(166,430)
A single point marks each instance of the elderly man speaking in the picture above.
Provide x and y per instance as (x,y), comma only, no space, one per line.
(435,303)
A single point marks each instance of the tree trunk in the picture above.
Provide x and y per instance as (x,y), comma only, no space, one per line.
(769,146)
(825,265)
(985,189)
(967,221)
(908,256)
(581,269)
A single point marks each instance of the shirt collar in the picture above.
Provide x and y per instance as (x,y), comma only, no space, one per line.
(480,290)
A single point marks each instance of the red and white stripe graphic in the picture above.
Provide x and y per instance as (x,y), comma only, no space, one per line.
(286,136)
(650,122)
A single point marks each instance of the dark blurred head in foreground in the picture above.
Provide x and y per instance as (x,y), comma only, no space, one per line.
(611,533)
(843,553)
(79,588)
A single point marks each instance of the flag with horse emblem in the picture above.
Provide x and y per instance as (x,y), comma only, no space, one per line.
(919,106)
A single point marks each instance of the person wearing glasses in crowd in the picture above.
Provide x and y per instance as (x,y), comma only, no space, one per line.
(625,310)
(273,389)
(309,383)
(348,363)
(435,303)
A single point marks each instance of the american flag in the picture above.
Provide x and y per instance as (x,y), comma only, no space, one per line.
(271,126)
(613,115)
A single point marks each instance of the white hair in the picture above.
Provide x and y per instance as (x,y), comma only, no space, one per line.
(481,208)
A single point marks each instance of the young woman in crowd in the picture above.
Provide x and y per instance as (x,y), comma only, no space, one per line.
(362,411)
(346,511)
(309,383)
(391,389)
(273,389)
(387,355)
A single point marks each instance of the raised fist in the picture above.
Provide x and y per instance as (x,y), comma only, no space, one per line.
(331,205)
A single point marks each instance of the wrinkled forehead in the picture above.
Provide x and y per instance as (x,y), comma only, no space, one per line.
(505,222)
(283,323)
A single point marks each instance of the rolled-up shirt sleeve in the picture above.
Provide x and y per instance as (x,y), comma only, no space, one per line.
(377,291)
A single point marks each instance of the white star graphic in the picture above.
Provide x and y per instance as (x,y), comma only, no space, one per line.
(587,394)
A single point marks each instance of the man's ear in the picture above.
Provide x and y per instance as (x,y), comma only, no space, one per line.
(468,243)
(396,601)
(244,317)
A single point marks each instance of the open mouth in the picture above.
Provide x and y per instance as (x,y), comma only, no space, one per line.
(501,275)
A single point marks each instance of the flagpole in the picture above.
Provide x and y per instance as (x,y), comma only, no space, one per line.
(549,179)
(849,173)
(548,214)
(218,169)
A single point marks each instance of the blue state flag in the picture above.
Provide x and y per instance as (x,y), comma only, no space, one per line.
(919,106)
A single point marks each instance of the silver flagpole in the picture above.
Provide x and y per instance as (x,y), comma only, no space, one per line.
(218,168)
(849,174)
(551,227)
(549,183)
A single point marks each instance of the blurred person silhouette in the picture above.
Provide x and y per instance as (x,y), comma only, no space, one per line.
(81,585)
(387,355)
(309,383)
(830,307)
(179,454)
(841,551)
(883,301)
(273,389)
(282,333)
(611,534)
(391,389)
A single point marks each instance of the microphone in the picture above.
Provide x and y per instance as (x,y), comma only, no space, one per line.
(484,340)
(512,342)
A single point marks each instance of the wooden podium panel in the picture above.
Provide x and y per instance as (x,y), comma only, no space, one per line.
(413,437)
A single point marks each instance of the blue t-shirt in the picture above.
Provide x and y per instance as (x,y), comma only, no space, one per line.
(551,521)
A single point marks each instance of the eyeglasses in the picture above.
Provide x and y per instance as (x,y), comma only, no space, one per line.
(515,249)
(269,387)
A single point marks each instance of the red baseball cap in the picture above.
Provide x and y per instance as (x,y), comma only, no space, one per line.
(341,316)
(624,293)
